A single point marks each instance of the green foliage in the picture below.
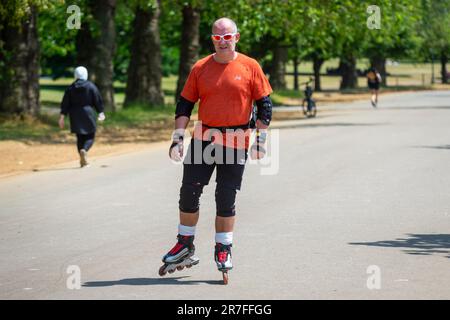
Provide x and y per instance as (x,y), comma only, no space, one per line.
(398,36)
(124,34)
(170,34)
(27,128)
(310,27)
(12,12)
(57,42)
(414,29)
(434,27)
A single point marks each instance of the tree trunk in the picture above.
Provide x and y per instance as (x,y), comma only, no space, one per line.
(444,60)
(189,45)
(317,64)
(144,71)
(432,70)
(278,68)
(295,62)
(85,47)
(379,63)
(96,50)
(19,52)
(103,11)
(347,67)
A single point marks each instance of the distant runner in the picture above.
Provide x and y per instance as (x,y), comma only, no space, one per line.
(373,81)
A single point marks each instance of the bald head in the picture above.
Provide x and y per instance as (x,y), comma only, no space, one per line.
(225,49)
(224,24)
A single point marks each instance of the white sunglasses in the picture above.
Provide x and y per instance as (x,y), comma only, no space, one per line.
(226,37)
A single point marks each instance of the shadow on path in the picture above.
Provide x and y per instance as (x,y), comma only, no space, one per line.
(417,244)
(396,108)
(56,169)
(443,147)
(342,124)
(150,282)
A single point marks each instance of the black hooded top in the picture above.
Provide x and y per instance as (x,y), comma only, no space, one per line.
(79,102)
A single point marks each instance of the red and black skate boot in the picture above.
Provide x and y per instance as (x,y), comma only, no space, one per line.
(180,256)
(222,256)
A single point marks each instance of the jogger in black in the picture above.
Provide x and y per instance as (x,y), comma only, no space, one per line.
(80,102)
(373,82)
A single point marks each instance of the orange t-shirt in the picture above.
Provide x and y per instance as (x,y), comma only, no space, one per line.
(226,90)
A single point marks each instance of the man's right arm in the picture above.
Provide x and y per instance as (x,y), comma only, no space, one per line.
(181,122)
(183,113)
(184,107)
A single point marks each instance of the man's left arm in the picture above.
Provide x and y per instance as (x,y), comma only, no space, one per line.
(263,118)
(264,112)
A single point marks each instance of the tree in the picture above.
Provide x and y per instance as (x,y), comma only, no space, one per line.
(189,43)
(96,46)
(58,51)
(278,66)
(317,40)
(19,57)
(351,27)
(397,36)
(144,71)
(124,19)
(436,32)
(282,22)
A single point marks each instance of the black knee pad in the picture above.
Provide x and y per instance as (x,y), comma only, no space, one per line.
(225,201)
(190,196)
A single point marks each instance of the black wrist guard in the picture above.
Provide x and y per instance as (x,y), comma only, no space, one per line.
(264,113)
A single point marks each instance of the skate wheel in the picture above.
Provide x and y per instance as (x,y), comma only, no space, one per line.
(189,266)
(225,278)
(171,271)
(179,268)
(162,271)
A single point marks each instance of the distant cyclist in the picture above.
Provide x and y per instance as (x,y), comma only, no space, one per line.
(373,81)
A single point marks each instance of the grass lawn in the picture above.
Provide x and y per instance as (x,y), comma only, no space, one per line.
(25,129)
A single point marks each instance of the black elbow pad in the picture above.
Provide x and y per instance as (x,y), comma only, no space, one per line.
(184,108)
(264,113)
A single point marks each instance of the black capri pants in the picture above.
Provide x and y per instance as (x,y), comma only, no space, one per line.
(201,159)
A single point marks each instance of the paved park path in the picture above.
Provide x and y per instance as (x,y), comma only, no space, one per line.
(359,199)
